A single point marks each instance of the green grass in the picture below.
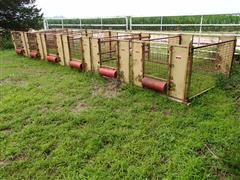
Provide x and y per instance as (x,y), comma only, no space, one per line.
(56,122)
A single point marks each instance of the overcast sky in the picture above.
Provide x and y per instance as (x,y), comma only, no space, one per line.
(96,8)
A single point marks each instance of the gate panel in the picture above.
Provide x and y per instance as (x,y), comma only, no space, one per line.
(156,60)
(226,54)
(209,60)
(34,45)
(179,73)
(19,42)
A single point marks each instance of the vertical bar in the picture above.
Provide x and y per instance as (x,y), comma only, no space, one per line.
(130,23)
(126,18)
(101,23)
(47,23)
(200,30)
(161,23)
(62,24)
(60,49)
(44,24)
(65,40)
(80,23)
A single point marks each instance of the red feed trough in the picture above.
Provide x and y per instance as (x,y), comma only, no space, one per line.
(154,84)
(76,64)
(19,51)
(52,58)
(112,73)
(34,54)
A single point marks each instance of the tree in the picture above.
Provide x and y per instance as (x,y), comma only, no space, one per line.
(19,15)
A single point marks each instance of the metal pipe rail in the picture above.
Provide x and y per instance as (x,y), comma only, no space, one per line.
(155,39)
(213,44)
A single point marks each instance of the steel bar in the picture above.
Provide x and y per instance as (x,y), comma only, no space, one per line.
(169,37)
(213,44)
(108,52)
(201,92)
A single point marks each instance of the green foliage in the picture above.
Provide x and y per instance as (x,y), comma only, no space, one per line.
(59,123)
(5,40)
(19,15)
(232,84)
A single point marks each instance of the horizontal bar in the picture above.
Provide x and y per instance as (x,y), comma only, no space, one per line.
(204,58)
(154,61)
(121,36)
(201,92)
(111,40)
(154,77)
(170,25)
(85,18)
(159,47)
(108,52)
(109,59)
(157,52)
(82,25)
(206,51)
(105,66)
(213,44)
(169,37)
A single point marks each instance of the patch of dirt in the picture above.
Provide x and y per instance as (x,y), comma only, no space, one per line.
(223,175)
(6,130)
(5,80)
(79,107)
(153,107)
(110,89)
(10,80)
(202,151)
(20,157)
(3,163)
(167,112)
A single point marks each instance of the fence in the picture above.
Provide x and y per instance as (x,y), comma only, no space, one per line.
(90,23)
(199,24)
(171,64)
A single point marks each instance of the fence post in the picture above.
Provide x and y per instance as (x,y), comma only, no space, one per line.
(101,23)
(130,23)
(126,18)
(44,45)
(66,49)
(62,24)
(26,43)
(60,49)
(87,53)
(80,23)
(137,63)
(40,46)
(45,24)
(180,69)
(161,22)
(200,30)
(124,60)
